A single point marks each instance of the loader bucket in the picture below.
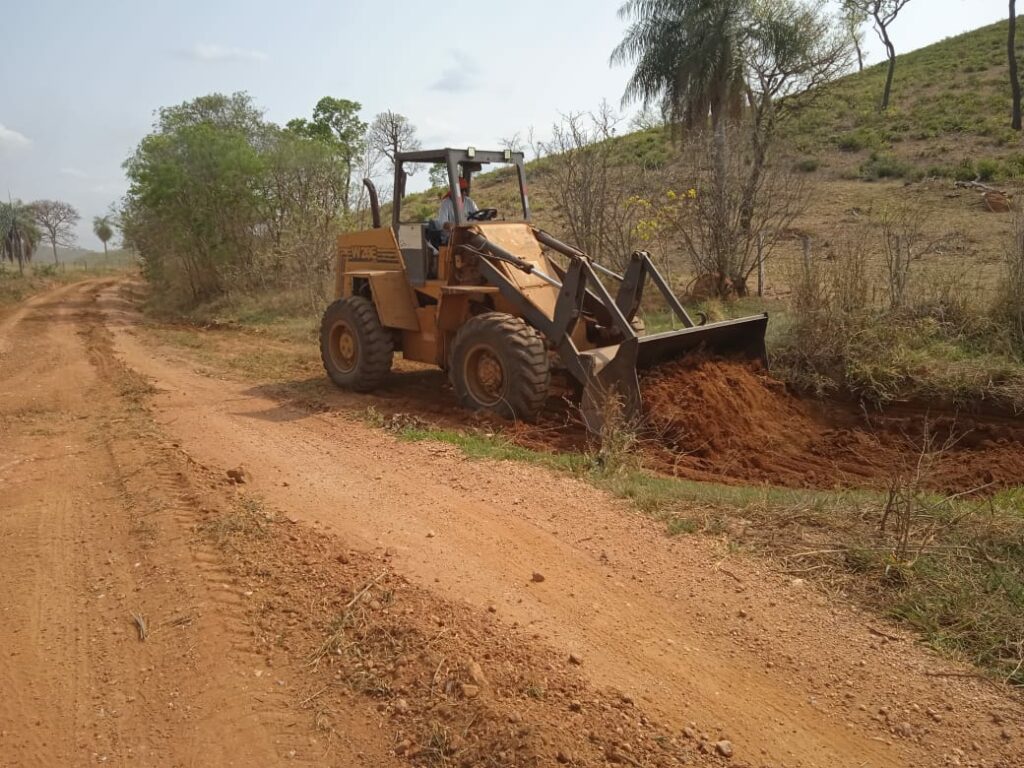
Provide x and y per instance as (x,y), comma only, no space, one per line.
(614,370)
(743,338)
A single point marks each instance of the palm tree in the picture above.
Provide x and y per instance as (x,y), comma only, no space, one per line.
(688,55)
(103,228)
(19,234)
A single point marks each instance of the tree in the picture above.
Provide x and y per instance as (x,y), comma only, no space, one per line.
(513,143)
(195,209)
(19,234)
(304,186)
(1011,46)
(724,229)
(687,55)
(234,112)
(793,48)
(56,220)
(438,175)
(336,122)
(735,62)
(391,133)
(103,229)
(882,13)
(220,200)
(853,20)
(595,194)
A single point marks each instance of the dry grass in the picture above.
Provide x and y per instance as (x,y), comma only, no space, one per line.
(884,332)
(230,530)
(951,566)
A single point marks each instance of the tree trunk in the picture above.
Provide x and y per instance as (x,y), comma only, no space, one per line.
(345,201)
(723,258)
(1011,46)
(104,249)
(890,51)
(54,244)
(860,53)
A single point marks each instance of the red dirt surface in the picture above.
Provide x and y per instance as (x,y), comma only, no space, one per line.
(729,420)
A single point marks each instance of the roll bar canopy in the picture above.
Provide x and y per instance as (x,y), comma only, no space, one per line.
(461,163)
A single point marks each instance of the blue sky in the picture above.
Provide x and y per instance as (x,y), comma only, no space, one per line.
(82,79)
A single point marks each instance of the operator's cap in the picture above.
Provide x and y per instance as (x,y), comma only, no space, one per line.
(463,183)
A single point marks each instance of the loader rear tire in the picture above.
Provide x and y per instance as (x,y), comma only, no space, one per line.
(356,349)
(499,363)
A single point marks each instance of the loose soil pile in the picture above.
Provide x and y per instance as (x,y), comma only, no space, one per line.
(724,419)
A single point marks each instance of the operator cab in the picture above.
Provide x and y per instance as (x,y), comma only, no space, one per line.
(421,242)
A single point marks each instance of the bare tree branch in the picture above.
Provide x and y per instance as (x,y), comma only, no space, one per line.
(57,220)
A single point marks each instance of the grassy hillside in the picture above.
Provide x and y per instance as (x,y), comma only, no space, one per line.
(950,111)
(949,118)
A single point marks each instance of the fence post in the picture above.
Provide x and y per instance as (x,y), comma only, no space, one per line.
(760,265)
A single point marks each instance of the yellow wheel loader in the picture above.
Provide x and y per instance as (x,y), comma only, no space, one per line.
(500,304)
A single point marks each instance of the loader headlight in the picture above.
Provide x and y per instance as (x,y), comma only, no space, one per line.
(471,152)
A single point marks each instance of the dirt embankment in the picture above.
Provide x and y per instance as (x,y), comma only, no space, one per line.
(721,419)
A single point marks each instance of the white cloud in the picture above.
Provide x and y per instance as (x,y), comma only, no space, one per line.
(460,76)
(75,173)
(106,188)
(213,52)
(10,138)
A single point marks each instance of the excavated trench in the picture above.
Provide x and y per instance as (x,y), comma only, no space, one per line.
(720,419)
(731,422)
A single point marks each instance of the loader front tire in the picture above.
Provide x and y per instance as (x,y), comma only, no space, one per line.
(499,363)
(356,349)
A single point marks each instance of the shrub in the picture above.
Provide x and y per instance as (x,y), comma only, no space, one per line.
(883,166)
(1013,165)
(939,172)
(987,169)
(965,171)
(807,165)
(44,270)
(857,140)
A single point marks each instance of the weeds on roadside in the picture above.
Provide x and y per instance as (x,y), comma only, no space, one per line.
(949,565)
(883,336)
(616,452)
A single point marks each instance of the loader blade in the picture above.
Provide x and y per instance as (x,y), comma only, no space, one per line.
(613,384)
(742,338)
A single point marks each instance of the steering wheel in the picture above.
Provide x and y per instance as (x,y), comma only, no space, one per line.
(484,214)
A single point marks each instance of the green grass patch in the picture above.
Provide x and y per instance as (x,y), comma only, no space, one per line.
(956,88)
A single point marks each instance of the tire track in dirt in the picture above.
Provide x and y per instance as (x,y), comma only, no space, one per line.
(97,546)
(790,677)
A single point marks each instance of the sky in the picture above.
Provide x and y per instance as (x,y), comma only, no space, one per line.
(81,79)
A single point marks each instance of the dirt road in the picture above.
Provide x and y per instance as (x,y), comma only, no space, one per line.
(107,485)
